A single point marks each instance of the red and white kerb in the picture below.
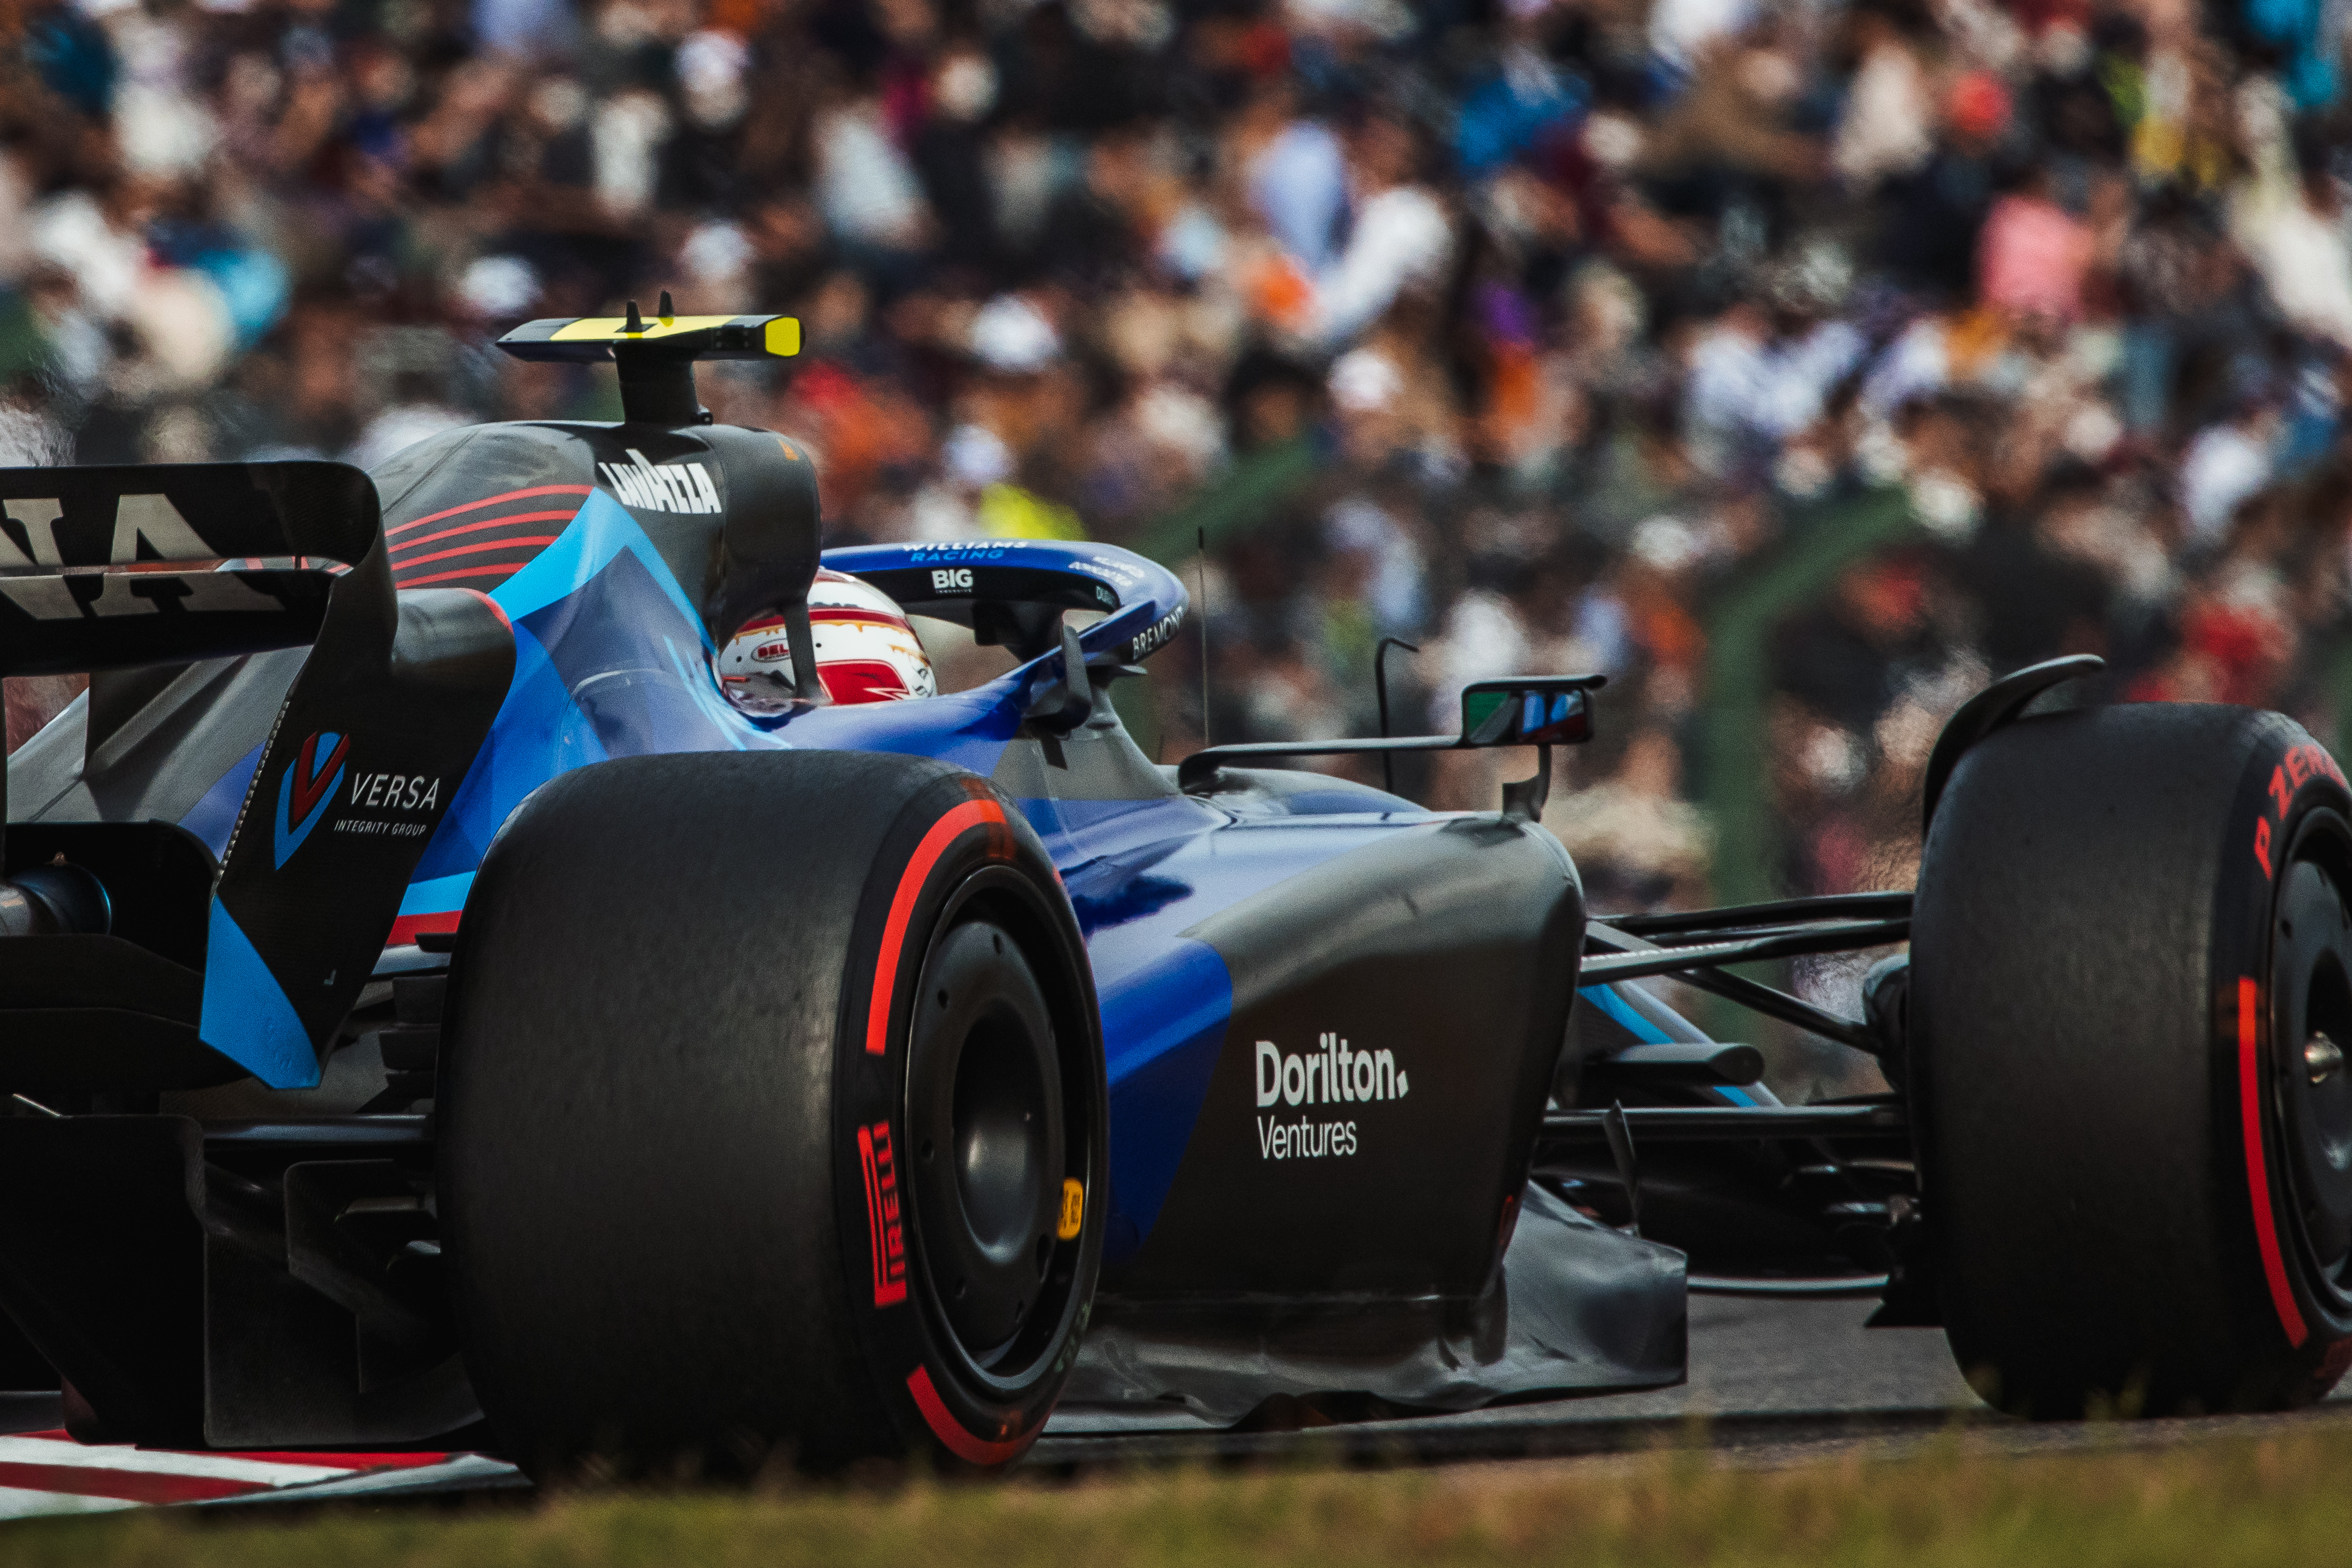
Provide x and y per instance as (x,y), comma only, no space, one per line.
(49,1473)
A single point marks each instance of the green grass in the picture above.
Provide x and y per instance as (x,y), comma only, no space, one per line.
(2280,1501)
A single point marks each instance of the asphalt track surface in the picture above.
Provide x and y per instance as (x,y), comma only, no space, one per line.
(1772,1383)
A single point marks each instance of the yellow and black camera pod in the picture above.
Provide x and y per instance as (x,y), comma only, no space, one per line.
(655,358)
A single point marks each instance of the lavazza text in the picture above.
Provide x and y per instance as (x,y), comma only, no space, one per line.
(1334,1073)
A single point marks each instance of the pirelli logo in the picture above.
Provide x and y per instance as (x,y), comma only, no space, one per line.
(886,1235)
(668,486)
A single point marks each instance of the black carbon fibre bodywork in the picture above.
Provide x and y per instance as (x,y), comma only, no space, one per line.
(1449,949)
(754,548)
(1384,1252)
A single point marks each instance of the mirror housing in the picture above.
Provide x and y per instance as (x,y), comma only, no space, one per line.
(1538,711)
(1529,710)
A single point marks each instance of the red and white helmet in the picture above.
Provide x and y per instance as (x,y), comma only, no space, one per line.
(866,651)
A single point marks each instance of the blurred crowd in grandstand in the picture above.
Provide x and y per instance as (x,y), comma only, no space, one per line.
(1801,365)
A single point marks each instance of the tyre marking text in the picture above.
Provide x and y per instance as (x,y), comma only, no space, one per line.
(885,1234)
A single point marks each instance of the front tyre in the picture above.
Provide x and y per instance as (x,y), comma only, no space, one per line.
(2131,984)
(773,1118)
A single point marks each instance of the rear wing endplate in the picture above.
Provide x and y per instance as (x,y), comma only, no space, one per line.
(110,568)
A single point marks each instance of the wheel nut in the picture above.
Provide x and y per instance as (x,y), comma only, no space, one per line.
(2321,1057)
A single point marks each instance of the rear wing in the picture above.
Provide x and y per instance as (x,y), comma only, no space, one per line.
(655,357)
(593,338)
(110,568)
(106,569)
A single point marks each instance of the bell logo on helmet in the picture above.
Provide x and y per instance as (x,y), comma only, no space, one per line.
(307,788)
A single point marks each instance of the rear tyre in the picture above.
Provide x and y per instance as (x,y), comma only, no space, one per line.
(2131,964)
(772,1119)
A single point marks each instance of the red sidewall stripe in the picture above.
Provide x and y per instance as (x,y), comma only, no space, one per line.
(2258,1172)
(951,1432)
(950,826)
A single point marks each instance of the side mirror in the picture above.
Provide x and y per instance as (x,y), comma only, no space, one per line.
(1529,710)
(1538,711)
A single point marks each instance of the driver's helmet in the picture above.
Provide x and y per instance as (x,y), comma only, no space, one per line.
(866,651)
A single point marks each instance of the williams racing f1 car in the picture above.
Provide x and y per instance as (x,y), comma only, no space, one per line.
(513,949)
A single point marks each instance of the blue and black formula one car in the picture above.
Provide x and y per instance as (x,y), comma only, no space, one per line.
(513,949)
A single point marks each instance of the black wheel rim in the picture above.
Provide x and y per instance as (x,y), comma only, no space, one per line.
(995,1127)
(2311,991)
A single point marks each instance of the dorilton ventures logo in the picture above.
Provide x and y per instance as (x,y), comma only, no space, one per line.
(1334,1073)
(307,788)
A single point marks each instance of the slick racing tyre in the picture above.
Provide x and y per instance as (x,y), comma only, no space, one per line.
(2131,987)
(772,1119)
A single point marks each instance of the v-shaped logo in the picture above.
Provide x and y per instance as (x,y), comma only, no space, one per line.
(307,786)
